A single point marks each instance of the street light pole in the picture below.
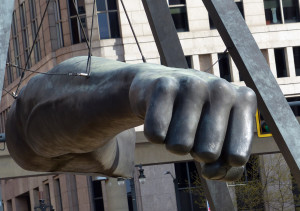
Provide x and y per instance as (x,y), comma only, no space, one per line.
(175,181)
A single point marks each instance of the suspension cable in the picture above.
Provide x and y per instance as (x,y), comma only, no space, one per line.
(81,25)
(208,69)
(88,65)
(31,50)
(46,73)
(139,47)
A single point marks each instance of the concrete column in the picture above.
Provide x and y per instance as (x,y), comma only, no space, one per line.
(272,62)
(34,199)
(205,62)
(215,69)
(83,192)
(290,64)
(13,204)
(116,196)
(234,71)
(195,62)
(104,195)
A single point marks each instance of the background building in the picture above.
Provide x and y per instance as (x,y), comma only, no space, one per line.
(273,23)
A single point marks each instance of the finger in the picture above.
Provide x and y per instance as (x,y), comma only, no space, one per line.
(220,170)
(213,123)
(189,102)
(237,146)
(159,109)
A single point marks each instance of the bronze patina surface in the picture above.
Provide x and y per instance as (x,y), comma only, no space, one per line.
(65,123)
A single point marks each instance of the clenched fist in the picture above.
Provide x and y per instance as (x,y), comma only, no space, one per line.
(70,124)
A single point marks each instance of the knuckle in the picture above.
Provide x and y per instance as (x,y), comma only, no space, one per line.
(194,87)
(206,156)
(154,136)
(222,91)
(247,94)
(233,173)
(237,159)
(214,171)
(180,149)
(166,85)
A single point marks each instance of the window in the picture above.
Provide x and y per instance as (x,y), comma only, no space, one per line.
(281,11)
(16,44)
(23,201)
(191,194)
(77,33)
(98,195)
(280,62)
(9,69)
(57,195)
(224,66)
(108,19)
(296,51)
(34,29)
(179,14)
(25,34)
(290,11)
(58,21)
(239,4)
(295,105)
(9,205)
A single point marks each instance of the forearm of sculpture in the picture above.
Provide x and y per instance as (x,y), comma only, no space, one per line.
(187,110)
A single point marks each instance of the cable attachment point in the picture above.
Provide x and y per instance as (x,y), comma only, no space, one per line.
(14,94)
(79,74)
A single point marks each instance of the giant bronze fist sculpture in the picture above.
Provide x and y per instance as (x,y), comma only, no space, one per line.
(62,123)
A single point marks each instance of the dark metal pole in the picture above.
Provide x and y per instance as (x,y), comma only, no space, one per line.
(171,53)
(257,74)
(6,10)
(175,181)
(133,195)
(165,34)
(218,200)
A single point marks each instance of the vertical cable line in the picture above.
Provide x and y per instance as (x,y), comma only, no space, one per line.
(143,58)
(88,65)
(81,26)
(31,50)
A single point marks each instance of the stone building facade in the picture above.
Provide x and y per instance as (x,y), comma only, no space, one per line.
(275,25)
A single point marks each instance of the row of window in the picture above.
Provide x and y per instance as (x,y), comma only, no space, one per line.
(281,11)
(276,11)
(108,26)
(15,72)
(280,61)
(24,199)
(25,202)
(108,20)
(225,67)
